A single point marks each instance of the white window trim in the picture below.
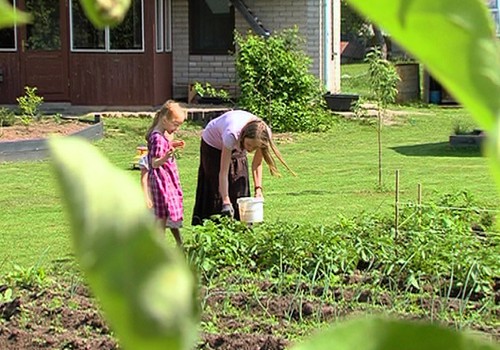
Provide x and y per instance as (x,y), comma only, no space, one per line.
(106,36)
(159,34)
(13,49)
(168,26)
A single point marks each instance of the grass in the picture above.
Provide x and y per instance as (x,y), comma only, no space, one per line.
(354,79)
(337,175)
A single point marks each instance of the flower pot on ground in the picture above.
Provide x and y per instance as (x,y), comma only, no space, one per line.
(340,102)
(211,100)
(474,139)
(207,94)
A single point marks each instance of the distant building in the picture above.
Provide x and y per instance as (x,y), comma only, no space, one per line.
(161,48)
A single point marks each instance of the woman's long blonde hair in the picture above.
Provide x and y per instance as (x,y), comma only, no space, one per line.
(168,109)
(258,130)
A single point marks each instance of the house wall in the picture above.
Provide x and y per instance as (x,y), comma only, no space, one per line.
(96,78)
(275,15)
(123,79)
(10,84)
(111,79)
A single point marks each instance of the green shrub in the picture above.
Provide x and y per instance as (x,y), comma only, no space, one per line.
(7,117)
(207,90)
(29,104)
(276,84)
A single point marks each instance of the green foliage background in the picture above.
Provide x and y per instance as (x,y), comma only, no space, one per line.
(275,82)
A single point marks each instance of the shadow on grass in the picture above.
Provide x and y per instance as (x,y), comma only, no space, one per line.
(309,192)
(438,149)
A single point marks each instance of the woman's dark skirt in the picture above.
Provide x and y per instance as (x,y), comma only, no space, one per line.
(208,200)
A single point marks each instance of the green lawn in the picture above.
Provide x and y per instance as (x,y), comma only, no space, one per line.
(337,175)
(354,79)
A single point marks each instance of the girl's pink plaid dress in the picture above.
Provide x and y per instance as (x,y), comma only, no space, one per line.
(164,182)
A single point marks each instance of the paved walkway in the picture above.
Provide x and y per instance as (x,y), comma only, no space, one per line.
(194,111)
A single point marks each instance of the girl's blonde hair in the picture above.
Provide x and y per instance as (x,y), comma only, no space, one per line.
(168,109)
(258,130)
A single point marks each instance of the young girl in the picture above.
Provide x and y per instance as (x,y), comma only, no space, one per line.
(223,172)
(163,176)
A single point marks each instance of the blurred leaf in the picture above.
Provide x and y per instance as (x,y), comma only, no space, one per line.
(9,15)
(456,42)
(380,334)
(146,290)
(104,13)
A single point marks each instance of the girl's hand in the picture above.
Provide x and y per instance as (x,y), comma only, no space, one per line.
(178,144)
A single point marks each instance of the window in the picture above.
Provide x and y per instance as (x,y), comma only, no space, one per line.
(44,32)
(8,36)
(163,26)
(211,27)
(126,37)
(84,36)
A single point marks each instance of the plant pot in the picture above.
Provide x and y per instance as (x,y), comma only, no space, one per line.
(212,100)
(473,138)
(340,102)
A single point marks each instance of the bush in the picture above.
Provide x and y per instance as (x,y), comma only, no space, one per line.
(29,105)
(276,84)
(7,117)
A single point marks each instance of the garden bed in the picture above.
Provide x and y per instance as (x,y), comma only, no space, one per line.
(474,139)
(21,143)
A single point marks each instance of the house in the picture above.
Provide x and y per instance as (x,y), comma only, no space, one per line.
(161,48)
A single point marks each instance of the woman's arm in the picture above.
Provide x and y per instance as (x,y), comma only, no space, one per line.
(257,172)
(225,161)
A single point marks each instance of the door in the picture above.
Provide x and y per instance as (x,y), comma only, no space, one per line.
(44,49)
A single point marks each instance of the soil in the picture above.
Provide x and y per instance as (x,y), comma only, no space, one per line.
(63,315)
(40,129)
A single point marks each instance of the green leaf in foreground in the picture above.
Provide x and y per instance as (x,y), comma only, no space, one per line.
(381,334)
(146,290)
(105,12)
(456,42)
(9,15)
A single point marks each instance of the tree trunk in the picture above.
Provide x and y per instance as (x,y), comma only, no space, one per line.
(380,41)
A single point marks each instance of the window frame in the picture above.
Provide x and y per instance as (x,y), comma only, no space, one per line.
(107,44)
(167,22)
(163,33)
(160,32)
(14,28)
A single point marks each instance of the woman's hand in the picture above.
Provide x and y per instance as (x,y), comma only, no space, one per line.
(258,192)
(227,210)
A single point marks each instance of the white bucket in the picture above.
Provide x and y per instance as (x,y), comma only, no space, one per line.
(251,209)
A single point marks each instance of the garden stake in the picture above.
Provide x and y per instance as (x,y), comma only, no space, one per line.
(396,206)
(419,202)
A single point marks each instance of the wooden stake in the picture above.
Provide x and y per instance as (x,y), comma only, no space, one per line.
(396,206)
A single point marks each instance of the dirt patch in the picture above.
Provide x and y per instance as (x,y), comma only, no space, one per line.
(63,315)
(41,129)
